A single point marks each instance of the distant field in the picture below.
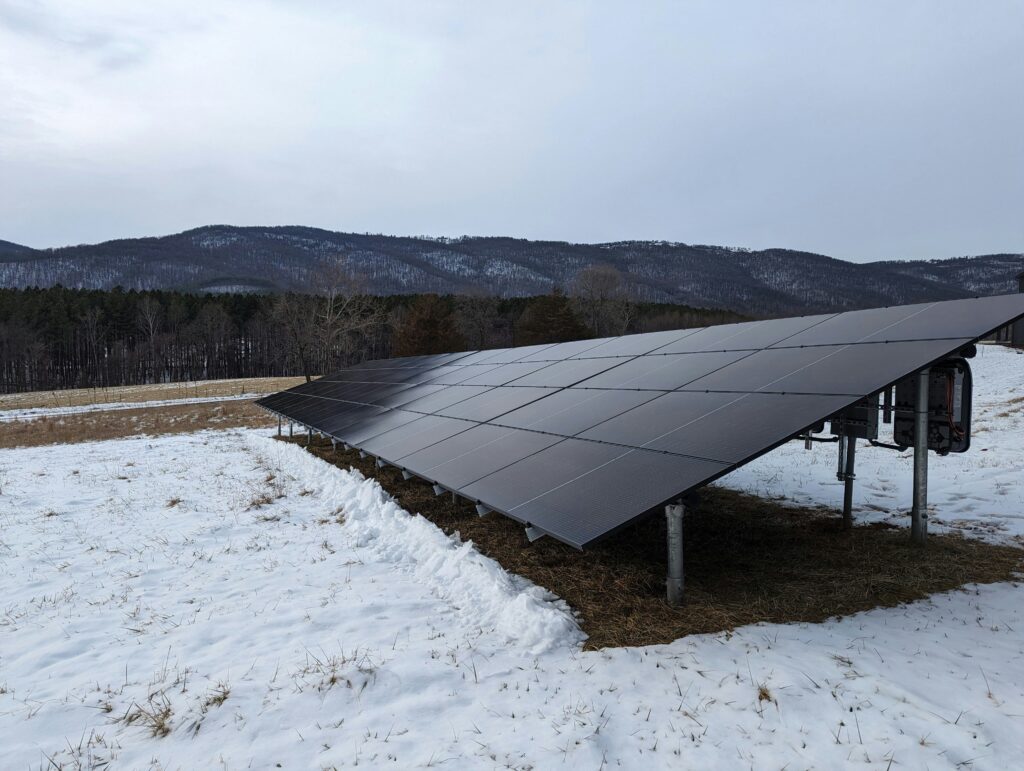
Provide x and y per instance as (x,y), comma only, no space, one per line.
(88,414)
(78,397)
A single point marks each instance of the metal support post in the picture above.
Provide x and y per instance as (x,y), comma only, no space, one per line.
(849,476)
(291,429)
(674,581)
(841,467)
(279,426)
(309,437)
(919,514)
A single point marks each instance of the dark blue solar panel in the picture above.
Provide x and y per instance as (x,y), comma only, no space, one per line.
(579,439)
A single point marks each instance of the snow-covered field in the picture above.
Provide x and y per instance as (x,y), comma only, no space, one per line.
(223,600)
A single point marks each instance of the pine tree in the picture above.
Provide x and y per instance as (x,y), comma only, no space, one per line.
(428,326)
(549,319)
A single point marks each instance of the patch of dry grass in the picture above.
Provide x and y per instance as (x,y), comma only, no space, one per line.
(78,397)
(747,560)
(116,424)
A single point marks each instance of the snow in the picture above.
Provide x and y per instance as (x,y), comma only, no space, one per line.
(33,413)
(223,599)
(980,492)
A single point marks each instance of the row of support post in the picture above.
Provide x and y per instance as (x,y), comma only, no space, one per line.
(674,581)
(847,460)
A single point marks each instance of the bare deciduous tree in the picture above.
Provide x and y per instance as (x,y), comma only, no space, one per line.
(326,330)
(344,315)
(602,301)
(476,317)
(148,320)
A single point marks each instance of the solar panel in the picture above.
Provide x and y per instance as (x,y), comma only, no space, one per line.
(579,439)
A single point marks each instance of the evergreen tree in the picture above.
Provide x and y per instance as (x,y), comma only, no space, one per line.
(549,318)
(427,326)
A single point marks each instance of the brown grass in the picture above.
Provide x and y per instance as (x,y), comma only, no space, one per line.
(116,424)
(747,560)
(78,397)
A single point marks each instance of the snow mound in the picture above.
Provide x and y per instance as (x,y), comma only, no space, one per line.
(480,591)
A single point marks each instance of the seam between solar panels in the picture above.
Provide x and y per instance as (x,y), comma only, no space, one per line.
(598,468)
(705,374)
(773,347)
(626,360)
(689,332)
(472,424)
(299,397)
(561,437)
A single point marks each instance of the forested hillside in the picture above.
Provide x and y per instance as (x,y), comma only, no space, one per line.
(71,338)
(771,282)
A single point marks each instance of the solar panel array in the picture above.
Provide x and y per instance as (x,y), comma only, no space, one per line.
(579,439)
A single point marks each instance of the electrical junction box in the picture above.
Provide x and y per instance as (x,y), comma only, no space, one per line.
(859,420)
(950,389)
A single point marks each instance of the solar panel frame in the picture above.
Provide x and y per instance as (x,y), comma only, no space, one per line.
(802,366)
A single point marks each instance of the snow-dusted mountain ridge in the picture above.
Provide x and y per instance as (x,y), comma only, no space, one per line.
(766,282)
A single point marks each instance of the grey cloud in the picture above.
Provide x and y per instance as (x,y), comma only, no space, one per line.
(862,129)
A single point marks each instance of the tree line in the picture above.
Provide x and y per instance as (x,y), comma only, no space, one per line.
(59,338)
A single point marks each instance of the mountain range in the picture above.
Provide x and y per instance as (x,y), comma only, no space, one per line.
(769,282)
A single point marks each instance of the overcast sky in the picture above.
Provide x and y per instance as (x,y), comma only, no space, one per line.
(864,130)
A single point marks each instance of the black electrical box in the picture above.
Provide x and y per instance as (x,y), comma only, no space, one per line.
(859,420)
(949,408)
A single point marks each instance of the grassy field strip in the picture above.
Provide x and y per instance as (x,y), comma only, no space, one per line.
(35,413)
(145,393)
(140,420)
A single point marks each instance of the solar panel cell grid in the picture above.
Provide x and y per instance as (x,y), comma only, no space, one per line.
(495,402)
(569,411)
(414,436)
(474,454)
(581,438)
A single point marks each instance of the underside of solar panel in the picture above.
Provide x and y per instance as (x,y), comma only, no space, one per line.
(577,440)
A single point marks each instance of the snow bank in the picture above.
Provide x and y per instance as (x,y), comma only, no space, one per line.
(484,593)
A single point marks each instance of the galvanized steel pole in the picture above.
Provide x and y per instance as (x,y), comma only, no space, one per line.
(919,514)
(674,581)
(848,477)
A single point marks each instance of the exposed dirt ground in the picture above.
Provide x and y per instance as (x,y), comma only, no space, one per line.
(115,424)
(747,561)
(145,393)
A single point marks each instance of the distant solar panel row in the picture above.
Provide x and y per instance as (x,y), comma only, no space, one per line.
(579,439)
